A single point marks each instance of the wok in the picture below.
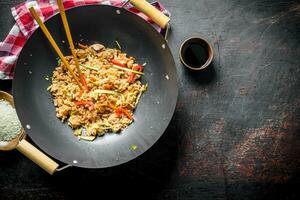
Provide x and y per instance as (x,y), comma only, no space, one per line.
(34,104)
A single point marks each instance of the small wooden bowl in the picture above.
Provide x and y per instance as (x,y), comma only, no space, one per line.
(9,145)
(7,97)
(25,147)
(203,43)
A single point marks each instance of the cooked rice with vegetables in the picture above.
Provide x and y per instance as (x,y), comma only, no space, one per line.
(110,94)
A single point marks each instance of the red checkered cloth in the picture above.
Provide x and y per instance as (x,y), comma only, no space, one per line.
(25,25)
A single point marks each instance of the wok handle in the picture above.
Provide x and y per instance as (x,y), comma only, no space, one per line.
(158,17)
(37,156)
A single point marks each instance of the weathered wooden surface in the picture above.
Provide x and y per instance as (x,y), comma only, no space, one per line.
(235,132)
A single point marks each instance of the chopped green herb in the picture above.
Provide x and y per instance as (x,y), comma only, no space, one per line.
(73,112)
(127,69)
(105,124)
(133,147)
(49,88)
(78,132)
(114,66)
(118,44)
(88,138)
(89,67)
(106,92)
(138,99)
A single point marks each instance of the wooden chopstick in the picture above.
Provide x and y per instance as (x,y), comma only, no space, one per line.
(69,36)
(53,43)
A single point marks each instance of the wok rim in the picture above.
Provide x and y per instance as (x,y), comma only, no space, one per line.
(166,122)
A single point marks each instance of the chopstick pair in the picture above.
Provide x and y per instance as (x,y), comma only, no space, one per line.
(56,48)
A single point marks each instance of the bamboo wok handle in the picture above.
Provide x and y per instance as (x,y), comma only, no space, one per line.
(158,17)
(37,156)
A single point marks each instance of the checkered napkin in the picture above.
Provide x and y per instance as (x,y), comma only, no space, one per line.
(25,25)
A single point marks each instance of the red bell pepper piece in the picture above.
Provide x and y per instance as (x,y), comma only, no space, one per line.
(132,75)
(84,83)
(118,63)
(138,68)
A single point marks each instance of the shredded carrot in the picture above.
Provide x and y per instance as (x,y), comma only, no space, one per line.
(108,86)
(80,93)
(93,79)
(112,106)
(128,115)
(120,111)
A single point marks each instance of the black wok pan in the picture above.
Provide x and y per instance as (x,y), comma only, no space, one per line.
(96,24)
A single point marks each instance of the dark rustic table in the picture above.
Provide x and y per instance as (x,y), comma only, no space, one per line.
(235,131)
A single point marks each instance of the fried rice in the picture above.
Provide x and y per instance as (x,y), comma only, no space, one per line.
(111,93)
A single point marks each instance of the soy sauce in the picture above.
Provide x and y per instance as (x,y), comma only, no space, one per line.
(195,55)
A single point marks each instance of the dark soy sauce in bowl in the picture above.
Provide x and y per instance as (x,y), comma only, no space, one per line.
(196,53)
